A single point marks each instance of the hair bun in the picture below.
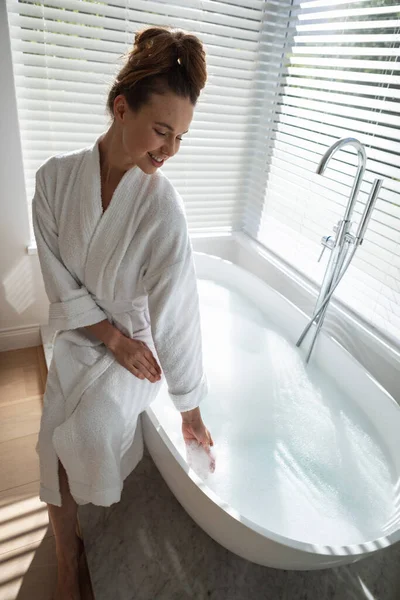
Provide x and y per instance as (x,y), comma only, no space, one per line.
(174,55)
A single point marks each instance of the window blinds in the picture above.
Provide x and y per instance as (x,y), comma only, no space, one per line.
(286,79)
(66,53)
(338,76)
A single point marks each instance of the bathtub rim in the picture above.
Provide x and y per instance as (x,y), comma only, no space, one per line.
(361,549)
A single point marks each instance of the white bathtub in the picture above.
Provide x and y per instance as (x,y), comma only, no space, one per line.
(307,458)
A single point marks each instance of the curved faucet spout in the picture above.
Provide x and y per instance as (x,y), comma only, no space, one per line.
(362,161)
(341,255)
(362,157)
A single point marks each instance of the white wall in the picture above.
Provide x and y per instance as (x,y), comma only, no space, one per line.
(23,302)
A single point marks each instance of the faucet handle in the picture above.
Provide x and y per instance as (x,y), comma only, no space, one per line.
(337,226)
(327,242)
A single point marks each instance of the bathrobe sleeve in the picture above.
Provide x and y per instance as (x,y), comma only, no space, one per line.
(71,305)
(171,284)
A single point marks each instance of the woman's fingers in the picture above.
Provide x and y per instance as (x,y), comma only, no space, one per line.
(136,372)
(150,357)
(203,436)
(146,366)
(206,445)
(138,359)
(140,371)
(200,434)
(210,440)
(143,362)
(148,373)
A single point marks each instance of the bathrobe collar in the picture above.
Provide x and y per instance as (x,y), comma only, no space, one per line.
(103,230)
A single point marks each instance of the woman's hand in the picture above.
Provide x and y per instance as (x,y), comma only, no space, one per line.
(194,430)
(134,355)
(137,357)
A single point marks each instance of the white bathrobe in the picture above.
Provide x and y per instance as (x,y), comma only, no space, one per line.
(132,265)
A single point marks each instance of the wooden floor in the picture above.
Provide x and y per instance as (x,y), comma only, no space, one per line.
(27,549)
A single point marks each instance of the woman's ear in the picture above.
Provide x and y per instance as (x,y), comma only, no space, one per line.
(120,107)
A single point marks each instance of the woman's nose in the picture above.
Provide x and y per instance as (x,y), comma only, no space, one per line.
(169,148)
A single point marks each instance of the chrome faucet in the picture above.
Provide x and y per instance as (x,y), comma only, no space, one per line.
(345,244)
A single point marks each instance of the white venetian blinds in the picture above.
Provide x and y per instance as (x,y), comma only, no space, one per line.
(338,76)
(287,78)
(66,53)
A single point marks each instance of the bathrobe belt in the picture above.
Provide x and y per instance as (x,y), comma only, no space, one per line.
(117,307)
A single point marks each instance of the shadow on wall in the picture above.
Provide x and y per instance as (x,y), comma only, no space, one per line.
(23,299)
(18,286)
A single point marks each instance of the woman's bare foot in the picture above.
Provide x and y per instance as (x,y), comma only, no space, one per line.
(68,575)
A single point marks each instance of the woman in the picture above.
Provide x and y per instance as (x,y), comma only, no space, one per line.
(118,269)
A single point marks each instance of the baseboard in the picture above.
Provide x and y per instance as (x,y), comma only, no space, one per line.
(20,337)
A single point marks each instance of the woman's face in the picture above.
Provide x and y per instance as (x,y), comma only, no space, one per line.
(155,131)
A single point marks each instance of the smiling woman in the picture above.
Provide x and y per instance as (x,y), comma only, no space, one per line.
(155,92)
(117,264)
(153,96)
(136,137)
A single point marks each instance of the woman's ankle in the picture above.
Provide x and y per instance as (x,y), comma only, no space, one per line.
(68,557)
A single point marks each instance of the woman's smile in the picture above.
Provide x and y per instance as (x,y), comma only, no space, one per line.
(157,162)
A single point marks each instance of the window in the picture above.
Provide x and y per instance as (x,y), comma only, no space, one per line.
(287,78)
(339,77)
(66,53)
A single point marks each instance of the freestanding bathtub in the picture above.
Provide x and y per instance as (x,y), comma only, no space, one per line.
(307,457)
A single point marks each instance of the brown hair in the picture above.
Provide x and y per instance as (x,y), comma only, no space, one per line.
(162,60)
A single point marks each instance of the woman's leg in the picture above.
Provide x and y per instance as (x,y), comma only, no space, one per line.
(68,545)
